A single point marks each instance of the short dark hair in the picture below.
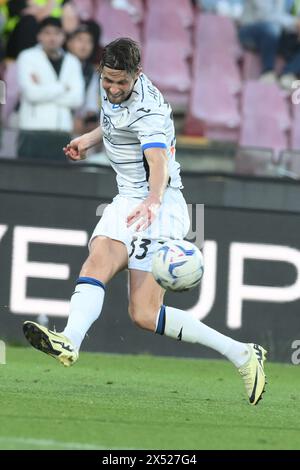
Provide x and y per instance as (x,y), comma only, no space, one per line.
(50,21)
(83,28)
(121,54)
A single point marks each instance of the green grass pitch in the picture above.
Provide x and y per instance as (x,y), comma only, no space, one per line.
(142,402)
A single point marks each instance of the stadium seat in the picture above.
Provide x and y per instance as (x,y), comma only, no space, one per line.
(115,23)
(217,50)
(267,101)
(212,102)
(213,107)
(211,30)
(216,66)
(166,66)
(155,29)
(185,11)
(263,131)
(295,134)
(181,8)
(206,125)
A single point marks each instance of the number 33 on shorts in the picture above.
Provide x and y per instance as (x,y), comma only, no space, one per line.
(142,249)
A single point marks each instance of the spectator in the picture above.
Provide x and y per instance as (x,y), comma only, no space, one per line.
(81,44)
(262,23)
(289,49)
(23,17)
(51,85)
(96,31)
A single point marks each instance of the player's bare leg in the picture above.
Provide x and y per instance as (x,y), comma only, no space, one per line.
(145,299)
(147,311)
(107,257)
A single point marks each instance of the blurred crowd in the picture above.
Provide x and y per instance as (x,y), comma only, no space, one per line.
(50,49)
(269,27)
(49,59)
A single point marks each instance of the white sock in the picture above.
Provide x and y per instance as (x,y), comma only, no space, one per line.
(184,327)
(85,308)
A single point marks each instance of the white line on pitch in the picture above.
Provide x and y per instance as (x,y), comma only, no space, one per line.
(52,443)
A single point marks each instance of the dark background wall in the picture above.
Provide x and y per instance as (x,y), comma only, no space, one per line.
(263,215)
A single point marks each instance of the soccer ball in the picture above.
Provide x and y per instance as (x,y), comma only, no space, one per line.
(178,265)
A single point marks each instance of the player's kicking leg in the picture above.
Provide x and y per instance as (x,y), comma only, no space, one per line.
(107,257)
(147,311)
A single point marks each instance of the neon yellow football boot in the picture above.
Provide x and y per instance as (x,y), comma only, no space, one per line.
(54,344)
(253,373)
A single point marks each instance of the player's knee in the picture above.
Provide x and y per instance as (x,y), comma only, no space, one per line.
(142,316)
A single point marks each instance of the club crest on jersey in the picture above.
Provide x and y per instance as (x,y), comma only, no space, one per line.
(106,125)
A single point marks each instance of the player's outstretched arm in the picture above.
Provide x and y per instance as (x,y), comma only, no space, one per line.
(77,148)
(146,212)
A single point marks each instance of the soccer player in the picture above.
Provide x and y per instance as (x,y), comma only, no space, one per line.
(138,133)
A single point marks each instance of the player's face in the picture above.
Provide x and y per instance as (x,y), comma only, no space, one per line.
(118,84)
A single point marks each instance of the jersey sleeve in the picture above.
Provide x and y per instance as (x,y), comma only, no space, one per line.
(149,125)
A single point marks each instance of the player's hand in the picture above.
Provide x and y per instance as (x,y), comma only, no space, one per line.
(77,148)
(145,213)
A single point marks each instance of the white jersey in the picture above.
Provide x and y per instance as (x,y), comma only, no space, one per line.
(143,121)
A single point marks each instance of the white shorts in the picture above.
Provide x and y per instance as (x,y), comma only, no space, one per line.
(171,222)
